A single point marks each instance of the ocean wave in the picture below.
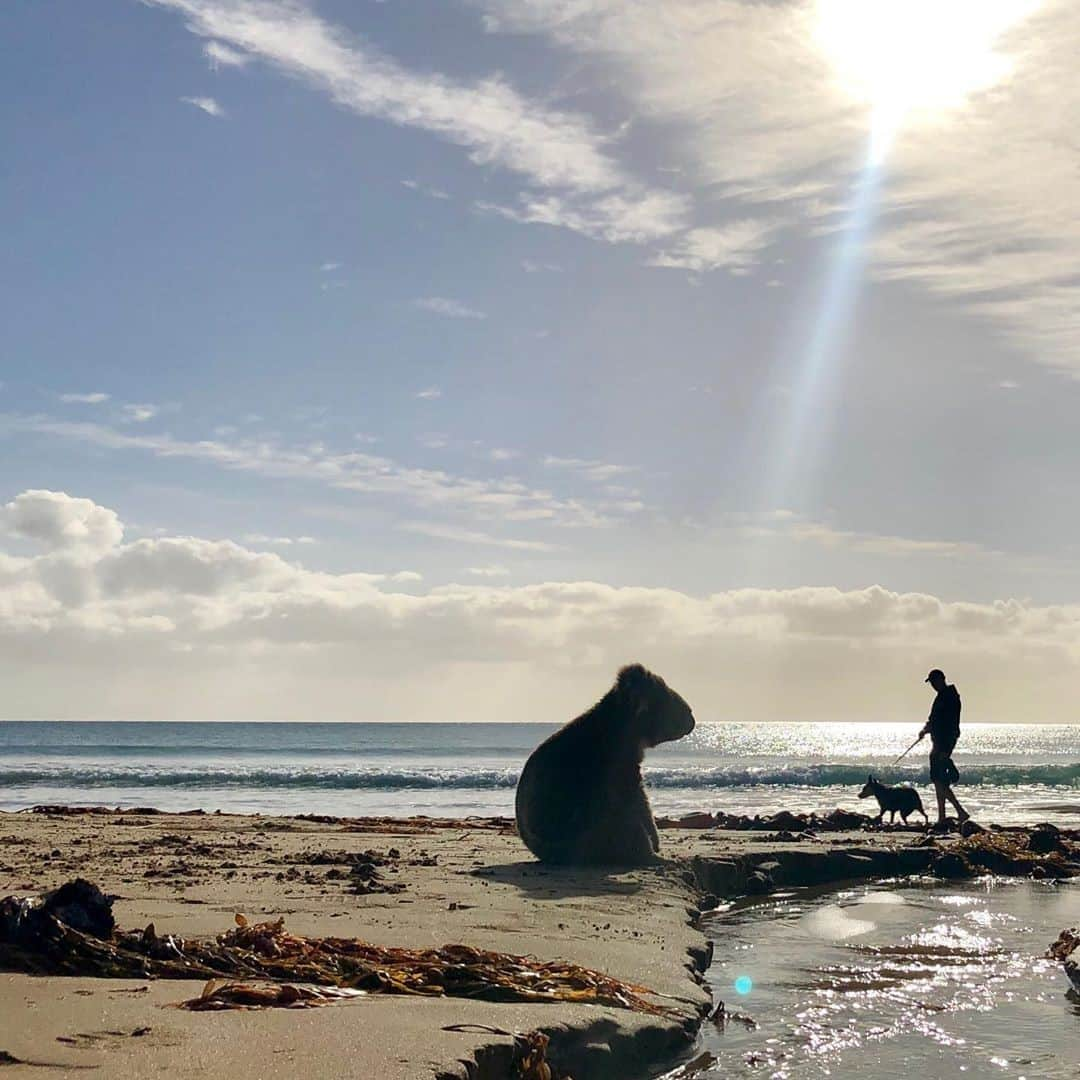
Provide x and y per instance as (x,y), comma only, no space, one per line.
(465,778)
(225,750)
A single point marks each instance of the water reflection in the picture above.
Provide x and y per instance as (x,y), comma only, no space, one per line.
(878,980)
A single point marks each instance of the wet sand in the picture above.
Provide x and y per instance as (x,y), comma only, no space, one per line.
(471,883)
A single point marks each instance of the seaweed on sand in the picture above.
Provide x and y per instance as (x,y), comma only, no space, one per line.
(218,994)
(1067,950)
(530,1052)
(1007,853)
(41,935)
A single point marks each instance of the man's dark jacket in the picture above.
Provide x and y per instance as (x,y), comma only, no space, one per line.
(944,722)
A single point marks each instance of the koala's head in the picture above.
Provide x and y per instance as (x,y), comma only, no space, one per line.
(657,713)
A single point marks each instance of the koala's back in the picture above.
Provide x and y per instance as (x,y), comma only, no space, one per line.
(561,786)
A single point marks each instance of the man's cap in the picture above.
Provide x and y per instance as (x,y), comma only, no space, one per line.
(937,673)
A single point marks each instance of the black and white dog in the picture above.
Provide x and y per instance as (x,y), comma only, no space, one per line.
(894,800)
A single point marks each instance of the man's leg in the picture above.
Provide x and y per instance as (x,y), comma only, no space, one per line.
(961,813)
(939,790)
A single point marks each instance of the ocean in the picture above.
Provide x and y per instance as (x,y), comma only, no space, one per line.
(1009,772)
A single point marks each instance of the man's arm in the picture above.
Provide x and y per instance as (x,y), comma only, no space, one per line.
(928,727)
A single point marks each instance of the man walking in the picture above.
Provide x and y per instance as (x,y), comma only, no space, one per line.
(943,727)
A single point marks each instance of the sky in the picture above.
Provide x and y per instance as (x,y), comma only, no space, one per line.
(388,360)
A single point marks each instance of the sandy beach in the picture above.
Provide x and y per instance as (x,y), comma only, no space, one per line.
(466,883)
(190,875)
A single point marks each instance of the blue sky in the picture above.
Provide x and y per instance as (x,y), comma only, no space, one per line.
(508,297)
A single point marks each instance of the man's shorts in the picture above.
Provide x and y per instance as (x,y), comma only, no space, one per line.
(942,767)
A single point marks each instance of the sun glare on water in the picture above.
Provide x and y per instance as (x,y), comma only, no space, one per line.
(914,59)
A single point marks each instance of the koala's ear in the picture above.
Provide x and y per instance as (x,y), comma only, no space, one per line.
(632,679)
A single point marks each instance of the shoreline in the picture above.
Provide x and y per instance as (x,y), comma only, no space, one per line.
(432,882)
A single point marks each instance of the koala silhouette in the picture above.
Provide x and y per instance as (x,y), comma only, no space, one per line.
(581,799)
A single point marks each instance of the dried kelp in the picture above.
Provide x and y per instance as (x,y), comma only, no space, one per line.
(34,937)
(411,825)
(1067,943)
(703,1062)
(1067,950)
(530,1052)
(218,995)
(532,1062)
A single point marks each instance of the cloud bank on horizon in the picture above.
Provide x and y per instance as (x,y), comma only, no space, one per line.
(96,626)
(523,307)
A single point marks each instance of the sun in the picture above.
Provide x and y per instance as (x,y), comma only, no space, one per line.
(916,59)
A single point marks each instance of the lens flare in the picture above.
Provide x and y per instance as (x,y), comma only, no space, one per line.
(743,985)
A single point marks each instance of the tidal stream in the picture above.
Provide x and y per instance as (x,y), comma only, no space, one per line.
(918,978)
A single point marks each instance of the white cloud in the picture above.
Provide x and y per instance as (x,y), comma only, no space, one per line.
(1008,384)
(406,577)
(736,245)
(96,398)
(139,414)
(875,543)
(219,56)
(550,149)
(207,104)
(536,266)
(260,540)
(489,117)
(591,469)
(616,218)
(183,627)
(494,570)
(791,526)
(329,267)
(772,136)
(58,522)
(423,189)
(431,393)
(771,127)
(452,309)
(350,470)
(473,536)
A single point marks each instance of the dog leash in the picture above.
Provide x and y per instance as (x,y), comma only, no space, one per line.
(908,751)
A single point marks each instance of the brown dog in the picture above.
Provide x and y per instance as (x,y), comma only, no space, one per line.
(893,800)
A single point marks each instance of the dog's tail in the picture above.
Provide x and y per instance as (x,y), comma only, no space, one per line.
(919,805)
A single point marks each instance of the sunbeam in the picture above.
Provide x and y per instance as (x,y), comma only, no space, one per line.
(806,417)
(908,62)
